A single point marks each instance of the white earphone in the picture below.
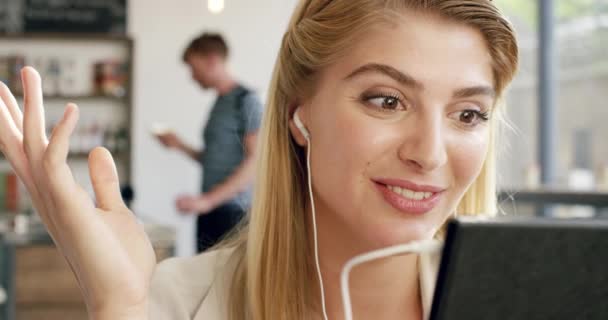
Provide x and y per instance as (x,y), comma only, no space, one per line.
(300,125)
(306,134)
(411,247)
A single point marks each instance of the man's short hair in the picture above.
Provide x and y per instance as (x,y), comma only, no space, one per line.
(207,43)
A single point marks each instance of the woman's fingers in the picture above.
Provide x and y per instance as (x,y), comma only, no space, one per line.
(34,135)
(9,132)
(55,171)
(11,143)
(56,153)
(12,106)
(105,180)
(34,132)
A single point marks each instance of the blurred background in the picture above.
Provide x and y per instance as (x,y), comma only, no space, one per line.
(120,60)
(555,152)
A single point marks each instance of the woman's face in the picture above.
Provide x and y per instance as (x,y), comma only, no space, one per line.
(398,130)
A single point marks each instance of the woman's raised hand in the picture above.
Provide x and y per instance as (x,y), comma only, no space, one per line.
(103,243)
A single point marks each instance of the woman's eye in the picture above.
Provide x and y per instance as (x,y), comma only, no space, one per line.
(472,117)
(385,102)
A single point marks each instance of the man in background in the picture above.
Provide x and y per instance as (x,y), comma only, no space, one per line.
(229,139)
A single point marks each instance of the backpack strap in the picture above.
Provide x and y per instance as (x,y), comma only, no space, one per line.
(240,98)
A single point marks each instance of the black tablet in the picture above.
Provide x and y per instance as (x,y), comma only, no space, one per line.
(523,269)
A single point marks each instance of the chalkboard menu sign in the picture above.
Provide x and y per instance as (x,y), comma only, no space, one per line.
(63,16)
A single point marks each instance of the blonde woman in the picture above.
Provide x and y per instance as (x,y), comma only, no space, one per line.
(399,104)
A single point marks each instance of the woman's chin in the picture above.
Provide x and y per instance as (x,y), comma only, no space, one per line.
(395,235)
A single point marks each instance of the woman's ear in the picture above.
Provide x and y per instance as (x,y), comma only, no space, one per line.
(298,128)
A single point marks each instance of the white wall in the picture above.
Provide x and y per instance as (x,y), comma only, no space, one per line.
(164,92)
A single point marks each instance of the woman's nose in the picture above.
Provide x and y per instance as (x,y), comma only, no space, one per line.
(423,147)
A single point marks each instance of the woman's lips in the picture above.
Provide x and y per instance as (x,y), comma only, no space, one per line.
(410,205)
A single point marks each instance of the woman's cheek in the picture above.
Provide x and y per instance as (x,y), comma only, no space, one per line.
(346,149)
(467,155)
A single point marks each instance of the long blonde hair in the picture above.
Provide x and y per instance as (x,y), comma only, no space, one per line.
(272,275)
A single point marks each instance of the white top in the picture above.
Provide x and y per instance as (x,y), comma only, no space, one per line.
(195,288)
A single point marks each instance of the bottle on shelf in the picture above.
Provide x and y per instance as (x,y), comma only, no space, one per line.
(80,137)
(122,139)
(52,77)
(95,135)
(10,72)
(67,79)
(9,192)
(110,78)
(3,191)
(109,139)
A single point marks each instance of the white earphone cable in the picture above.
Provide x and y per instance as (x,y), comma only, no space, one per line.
(314,230)
(410,247)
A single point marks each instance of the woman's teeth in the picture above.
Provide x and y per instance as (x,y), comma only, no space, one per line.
(409,194)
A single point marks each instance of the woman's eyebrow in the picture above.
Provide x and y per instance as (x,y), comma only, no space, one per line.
(409,81)
(389,71)
(475,91)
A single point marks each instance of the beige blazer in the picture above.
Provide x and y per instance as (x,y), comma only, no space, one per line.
(195,288)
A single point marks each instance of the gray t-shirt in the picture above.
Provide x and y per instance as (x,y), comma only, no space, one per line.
(233,116)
